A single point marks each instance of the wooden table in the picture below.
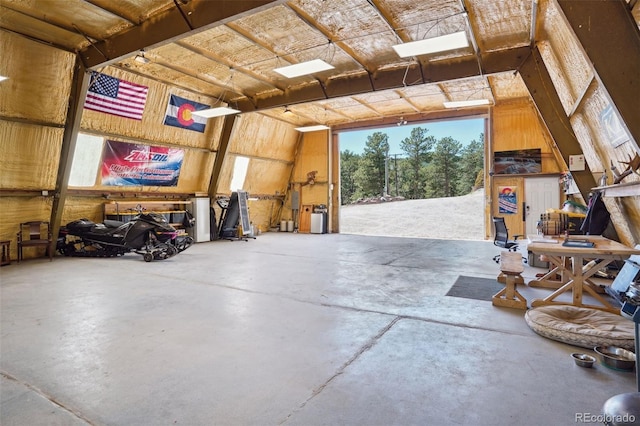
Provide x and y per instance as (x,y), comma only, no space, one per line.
(569,262)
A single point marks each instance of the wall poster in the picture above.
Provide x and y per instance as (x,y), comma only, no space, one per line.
(507,200)
(127,164)
(522,161)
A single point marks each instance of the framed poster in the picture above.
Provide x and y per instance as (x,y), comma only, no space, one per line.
(522,161)
(507,200)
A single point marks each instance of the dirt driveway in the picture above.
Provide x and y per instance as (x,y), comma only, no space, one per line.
(453,218)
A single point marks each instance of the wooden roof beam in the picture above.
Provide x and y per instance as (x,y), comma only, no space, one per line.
(170,26)
(494,62)
(536,77)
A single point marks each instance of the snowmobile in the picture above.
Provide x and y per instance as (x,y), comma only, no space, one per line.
(147,233)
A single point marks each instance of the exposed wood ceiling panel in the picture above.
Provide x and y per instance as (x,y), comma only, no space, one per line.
(426,97)
(507,86)
(170,76)
(467,90)
(73,15)
(249,65)
(28,26)
(135,11)
(228,50)
(501,24)
(356,28)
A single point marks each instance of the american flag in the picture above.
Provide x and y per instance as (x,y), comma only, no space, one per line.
(117,97)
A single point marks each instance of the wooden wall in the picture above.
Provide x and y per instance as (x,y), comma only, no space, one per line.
(270,145)
(33,109)
(33,114)
(312,158)
(516,125)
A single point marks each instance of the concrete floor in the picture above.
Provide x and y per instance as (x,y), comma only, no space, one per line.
(287,329)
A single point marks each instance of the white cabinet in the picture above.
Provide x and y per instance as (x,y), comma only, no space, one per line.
(200,209)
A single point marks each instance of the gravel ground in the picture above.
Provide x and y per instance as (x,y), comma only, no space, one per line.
(453,218)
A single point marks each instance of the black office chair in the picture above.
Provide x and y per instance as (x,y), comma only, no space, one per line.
(501,238)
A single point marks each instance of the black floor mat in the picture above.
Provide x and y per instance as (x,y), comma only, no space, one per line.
(475,288)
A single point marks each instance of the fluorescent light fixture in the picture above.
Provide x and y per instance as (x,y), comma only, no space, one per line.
(3,78)
(304,68)
(215,112)
(312,128)
(460,104)
(432,45)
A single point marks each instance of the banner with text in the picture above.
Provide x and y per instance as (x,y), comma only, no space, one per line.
(126,164)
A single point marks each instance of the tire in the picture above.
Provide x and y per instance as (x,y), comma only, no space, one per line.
(148,257)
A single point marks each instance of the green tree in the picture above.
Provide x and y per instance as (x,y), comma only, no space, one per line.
(471,164)
(370,176)
(349,163)
(442,171)
(416,147)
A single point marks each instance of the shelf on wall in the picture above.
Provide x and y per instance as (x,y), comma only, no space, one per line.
(125,210)
(625,189)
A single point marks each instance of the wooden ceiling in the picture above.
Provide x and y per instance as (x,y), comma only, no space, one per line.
(228,49)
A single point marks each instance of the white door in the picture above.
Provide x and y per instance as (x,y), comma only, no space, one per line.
(540,194)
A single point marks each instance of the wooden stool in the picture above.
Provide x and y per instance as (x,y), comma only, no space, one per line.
(6,253)
(510,269)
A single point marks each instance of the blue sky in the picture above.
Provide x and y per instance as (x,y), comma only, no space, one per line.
(464,131)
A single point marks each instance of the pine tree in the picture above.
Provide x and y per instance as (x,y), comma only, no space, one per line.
(349,163)
(442,171)
(370,176)
(416,147)
(471,165)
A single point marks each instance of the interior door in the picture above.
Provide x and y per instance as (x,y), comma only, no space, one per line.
(540,194)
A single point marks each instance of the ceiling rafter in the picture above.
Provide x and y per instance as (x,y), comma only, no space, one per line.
(169,26)
(35,19)
(337,111)
(407,100)
(168,81)
(329,35)
(112,11)
(199,46)
(221,85)
(235,68)
(71,27)
(472,35)
(386,18)
(368,106)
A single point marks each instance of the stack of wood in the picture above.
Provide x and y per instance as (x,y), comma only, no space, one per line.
(553,223)
(558,222)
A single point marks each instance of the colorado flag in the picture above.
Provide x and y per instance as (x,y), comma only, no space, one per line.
(179,114)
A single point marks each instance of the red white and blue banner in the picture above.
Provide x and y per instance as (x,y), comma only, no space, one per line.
(118,97)
(127,164)
(180,114)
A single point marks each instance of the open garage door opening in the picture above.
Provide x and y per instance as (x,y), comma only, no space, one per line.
(421,180)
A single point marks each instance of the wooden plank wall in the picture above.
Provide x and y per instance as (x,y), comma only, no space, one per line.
(515,125)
